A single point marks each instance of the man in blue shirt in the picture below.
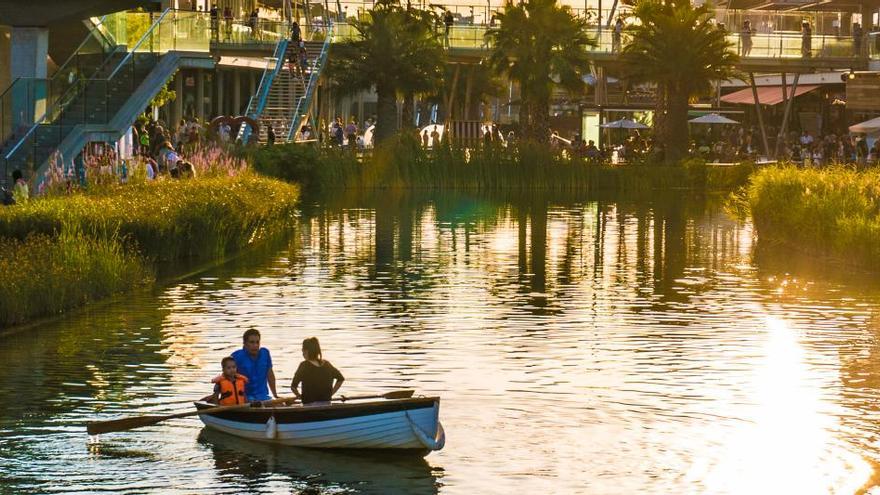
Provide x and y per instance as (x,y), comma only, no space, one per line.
(255,363)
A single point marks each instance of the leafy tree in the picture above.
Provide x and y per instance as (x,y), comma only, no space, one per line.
(540,45)
(397,51)
(679,48)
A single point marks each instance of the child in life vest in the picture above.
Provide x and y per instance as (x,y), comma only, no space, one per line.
(228,386)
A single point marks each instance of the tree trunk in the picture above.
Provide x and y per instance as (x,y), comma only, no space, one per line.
(540,128)
(409,103)
(386,113)
(524,122)
(676,126)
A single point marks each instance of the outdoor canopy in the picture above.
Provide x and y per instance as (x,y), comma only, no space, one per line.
(767,95)
(712,118)
(624,124)
(867,127)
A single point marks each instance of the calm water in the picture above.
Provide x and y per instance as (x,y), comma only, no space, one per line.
(580,346)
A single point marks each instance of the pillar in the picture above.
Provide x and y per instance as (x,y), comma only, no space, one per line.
(221,109)
(236,93)
(200,94)
(178,101)
(28,50)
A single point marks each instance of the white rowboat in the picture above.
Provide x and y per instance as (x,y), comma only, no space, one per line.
(407,424)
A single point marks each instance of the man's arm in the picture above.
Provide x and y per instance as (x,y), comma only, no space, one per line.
(271,377)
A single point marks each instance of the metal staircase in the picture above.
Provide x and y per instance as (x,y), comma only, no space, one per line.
(285,92)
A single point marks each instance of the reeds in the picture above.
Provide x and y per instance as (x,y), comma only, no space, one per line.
(65,250)
(44,275)
(833,211)
(404,164)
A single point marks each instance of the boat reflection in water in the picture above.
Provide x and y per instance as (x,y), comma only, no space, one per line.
(251,465)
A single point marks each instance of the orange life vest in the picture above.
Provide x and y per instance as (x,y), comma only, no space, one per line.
(232,393)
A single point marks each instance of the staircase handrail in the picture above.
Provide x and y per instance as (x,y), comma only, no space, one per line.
(262,94)
(81,83)
(306,100)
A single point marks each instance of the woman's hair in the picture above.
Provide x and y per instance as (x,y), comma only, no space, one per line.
(312,348)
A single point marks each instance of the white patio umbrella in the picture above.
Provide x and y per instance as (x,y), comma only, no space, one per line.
(712,118)
(624,124)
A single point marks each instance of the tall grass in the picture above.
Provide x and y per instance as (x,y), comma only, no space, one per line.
(167,220)
(45,275)
(404,164)
(61,251)
(834,211)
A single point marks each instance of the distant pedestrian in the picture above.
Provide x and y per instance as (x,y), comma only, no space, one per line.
(806,39)
(857,34)
(295,32)
(270,134)
(351,133)
(227,19)
(745,37)
(20,191)
(214,14)
(448,21)
(425,138)
(616,36)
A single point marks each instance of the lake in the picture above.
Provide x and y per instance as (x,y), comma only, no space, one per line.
(579,344)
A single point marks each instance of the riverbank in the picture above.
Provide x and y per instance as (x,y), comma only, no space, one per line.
(60,252)
(829,212)
(406,165)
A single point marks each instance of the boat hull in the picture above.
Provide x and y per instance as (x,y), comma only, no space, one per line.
(408,424)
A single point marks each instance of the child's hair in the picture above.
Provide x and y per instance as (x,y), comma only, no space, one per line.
(226,360)
(312,348)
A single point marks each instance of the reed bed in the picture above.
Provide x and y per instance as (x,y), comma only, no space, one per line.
(44,275)
(404,164)
(832,212)
(62,251)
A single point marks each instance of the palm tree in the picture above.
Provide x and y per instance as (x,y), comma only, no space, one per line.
(539,45)
(678,47)
(396,51)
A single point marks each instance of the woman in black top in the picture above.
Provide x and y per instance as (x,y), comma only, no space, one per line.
(316,375)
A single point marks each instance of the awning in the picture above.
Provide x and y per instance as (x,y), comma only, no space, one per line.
(867,127)
(767,95)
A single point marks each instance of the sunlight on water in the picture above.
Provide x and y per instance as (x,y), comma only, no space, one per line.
(579,346)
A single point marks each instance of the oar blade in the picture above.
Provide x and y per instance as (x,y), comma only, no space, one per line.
(399,394)
(124,424)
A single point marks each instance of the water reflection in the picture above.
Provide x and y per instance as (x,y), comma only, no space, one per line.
(253,464)
(581,345)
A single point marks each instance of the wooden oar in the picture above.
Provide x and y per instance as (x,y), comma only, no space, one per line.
(98,427)
(397,394)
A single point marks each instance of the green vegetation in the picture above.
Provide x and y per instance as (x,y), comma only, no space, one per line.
(833,212)
(402,163)
(72,249)
(679,48)
(540,44)
(45,275)
(397,51)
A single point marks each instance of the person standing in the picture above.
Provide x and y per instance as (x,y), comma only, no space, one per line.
(227,19)
(319,379)
(255,363)
(616,35)
(448,21)
(806,39)
(270,134)
(20,191)
(857,39)
(351,133)
(745,37)
(214,14)
(295,32)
